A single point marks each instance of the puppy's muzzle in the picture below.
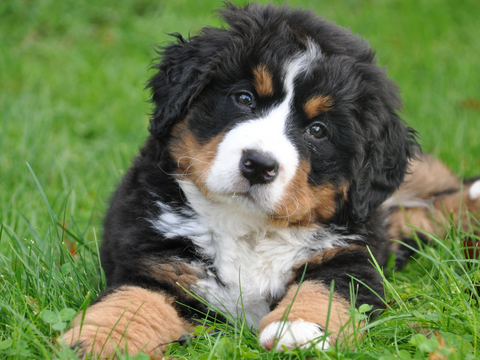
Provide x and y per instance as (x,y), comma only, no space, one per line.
(258,167)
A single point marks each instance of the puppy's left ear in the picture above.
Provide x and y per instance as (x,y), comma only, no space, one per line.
(185,69)
(390,146)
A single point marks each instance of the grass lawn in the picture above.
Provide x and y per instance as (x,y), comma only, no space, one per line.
(73,112)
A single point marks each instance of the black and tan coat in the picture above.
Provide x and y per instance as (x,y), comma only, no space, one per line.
(273,145)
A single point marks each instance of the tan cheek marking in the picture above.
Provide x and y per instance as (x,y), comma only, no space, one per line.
(133,317)
(263,81)
(344,190)
(304,204)
(194,159)
(317,104)
(311,305)
(325,196)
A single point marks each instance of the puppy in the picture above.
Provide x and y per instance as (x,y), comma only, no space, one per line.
(275,147)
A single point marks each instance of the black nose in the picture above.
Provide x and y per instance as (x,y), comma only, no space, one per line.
(258,167)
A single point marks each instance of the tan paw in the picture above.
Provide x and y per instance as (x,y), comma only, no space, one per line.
(131,319)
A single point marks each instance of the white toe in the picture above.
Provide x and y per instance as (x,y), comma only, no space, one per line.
(292,334)
(475,190)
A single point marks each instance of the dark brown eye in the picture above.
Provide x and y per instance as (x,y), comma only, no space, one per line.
(317,130)
(244,99)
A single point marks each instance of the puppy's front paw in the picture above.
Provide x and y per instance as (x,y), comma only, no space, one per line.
(129,319)
(292,334)
(94,342)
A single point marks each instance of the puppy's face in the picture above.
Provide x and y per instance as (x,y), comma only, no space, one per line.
(268,142)
(279,123)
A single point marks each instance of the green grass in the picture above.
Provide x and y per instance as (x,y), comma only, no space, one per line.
(72,106)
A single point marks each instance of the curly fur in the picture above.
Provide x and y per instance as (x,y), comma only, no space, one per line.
(273,143)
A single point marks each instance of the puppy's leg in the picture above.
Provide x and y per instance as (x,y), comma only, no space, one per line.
(306,320)
(434,214)
(429,198)
(306,323)
(131,318)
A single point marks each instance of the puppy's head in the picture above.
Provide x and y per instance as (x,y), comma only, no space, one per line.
(282,114)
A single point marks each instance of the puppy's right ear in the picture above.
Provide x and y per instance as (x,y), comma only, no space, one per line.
(183,72)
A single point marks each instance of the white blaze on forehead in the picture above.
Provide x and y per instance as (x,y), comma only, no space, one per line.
(266,134)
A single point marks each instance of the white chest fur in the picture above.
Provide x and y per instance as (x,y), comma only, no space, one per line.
(252,260)
(253,268)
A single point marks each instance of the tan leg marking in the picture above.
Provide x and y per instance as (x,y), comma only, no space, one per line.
(327,255)
(435,219)
(426,177)
(133,318)
(311,305)
(174,273)
(401,219)
(456,205)
(420,205)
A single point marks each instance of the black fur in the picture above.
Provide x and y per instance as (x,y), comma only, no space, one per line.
(367,144)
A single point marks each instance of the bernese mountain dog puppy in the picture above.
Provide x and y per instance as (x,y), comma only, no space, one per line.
(275,147)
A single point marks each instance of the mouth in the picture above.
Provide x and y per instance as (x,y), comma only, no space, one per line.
(245,199)
(253,200)
(242,195)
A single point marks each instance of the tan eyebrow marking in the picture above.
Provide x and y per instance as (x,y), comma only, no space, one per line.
(317,105)
(263,81)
